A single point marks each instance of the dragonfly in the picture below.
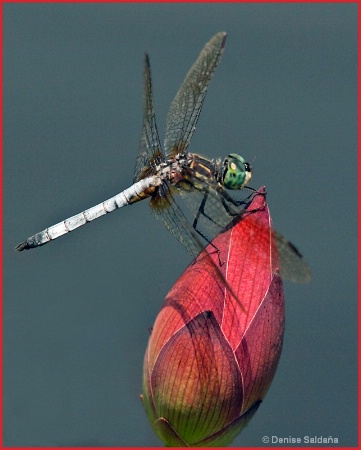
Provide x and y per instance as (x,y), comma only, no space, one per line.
(164,175)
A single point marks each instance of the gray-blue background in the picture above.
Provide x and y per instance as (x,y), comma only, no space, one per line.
(77,311)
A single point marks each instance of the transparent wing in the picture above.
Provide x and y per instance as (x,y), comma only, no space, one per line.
(219,211)
(212,208)
(150,151)
(187,104)
(216,210)
(164,207)
(293,265)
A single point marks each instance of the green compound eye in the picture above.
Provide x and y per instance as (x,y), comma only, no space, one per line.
(237,172)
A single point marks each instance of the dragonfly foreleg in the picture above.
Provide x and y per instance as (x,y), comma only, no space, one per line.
(251,195)
(228,199)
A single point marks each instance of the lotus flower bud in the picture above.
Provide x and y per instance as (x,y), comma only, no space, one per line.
(217,340)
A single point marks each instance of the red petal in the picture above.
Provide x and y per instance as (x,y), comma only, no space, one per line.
(261,346)
(251,259)
(196,381)
(227,434)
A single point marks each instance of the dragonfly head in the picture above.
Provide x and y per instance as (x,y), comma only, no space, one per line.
(236,172)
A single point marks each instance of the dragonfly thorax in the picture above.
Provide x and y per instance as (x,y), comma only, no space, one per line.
(172,169)
(232,173)
(235,172)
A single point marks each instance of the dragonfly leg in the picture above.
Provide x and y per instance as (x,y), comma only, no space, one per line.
(195,222)
(228,211)
(252,194)
(226,198)
(211,243)
(202,211)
